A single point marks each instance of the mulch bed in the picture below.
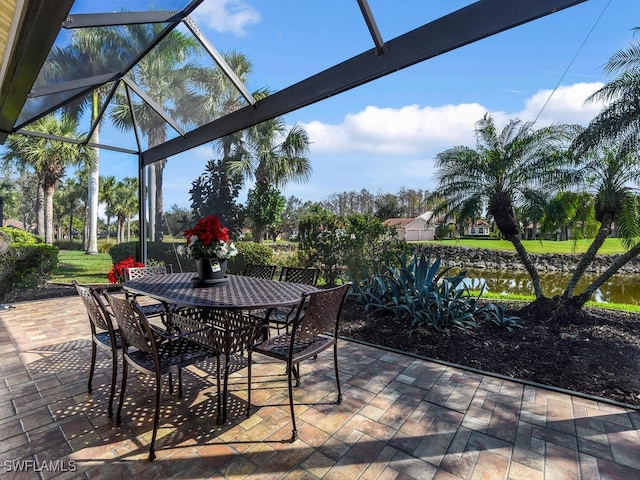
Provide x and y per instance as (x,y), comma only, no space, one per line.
(594,351)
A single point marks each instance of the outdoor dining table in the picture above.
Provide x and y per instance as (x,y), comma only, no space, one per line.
(237,293)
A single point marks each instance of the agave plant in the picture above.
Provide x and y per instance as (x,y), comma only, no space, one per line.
(418,291)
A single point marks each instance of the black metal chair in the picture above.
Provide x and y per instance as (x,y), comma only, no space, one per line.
(313,329)
(103,335)
(156,309)
(153,353)
(232,333)
(259,271)
(280,318)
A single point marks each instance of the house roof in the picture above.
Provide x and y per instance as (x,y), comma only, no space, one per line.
(398,222)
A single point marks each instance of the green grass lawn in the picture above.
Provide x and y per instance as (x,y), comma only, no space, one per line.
(611,245)
(75,264)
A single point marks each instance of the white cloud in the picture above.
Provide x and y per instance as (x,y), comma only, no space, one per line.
(566,105)
(227,16)
(407,130)
(422,131)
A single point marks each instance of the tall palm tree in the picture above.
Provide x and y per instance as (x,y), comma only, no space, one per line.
(505,166)
(107,196)
(164,74)
(48,158)
(611,144)
(93,51)
(125,206)
(271,154)
(610,176)
(619,121)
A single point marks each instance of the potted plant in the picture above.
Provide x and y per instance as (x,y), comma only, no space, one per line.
(209,244)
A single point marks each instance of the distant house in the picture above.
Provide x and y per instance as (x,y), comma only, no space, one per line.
(479,228)
(10,222)
(414,229)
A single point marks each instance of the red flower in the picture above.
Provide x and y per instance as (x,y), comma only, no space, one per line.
(207,230)
(116,275)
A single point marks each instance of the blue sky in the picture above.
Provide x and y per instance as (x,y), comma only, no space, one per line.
(384,135)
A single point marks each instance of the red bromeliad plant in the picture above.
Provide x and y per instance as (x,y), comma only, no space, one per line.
(116,274)
(208,239)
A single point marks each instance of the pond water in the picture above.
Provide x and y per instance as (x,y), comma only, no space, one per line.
(619,289)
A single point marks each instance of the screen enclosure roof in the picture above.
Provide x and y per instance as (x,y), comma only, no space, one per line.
(109,67)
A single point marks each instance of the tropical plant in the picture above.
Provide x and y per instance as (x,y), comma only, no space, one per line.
(265,205)
(125,206)
(164,74)
(419,292)
(498,175)
(271,154)
(107,196)
(495,314)
(49,158)
(91,52)
(610,175)
(215,193)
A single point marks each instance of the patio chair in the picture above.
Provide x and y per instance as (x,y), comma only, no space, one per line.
(259,271)
(232,333)
(103,335)
(280,318)
(314,329)
(154,353)
(157,309)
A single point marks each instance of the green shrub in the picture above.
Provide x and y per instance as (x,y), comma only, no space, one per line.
(419,293)
(158,253)
(20,238)
(28,263)
(249,252)
(69,245)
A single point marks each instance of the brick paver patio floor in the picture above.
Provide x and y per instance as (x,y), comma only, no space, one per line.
(401,418)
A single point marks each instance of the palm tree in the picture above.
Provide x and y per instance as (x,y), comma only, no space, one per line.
(499,174)
(263,157)
(94,51)
(619,122)
(125,206)
(164,74)
(49,158)
(610,144)
(107,196)
(610,176)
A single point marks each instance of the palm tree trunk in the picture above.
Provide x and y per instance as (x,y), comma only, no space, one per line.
(49,190)
(151,187)
(589,255)
(40,207)
(159,166)
(584,297)
(528,264)
(94,184)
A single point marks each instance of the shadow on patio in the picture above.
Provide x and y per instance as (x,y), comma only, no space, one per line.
(401,417)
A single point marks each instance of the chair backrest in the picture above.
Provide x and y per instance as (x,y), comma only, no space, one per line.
(232,331)
(133,273)
(96,309)
(308,276)
(134,327)
(319,312)
(259,271)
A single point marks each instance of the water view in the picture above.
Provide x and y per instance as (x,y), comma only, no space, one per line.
(619,289)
